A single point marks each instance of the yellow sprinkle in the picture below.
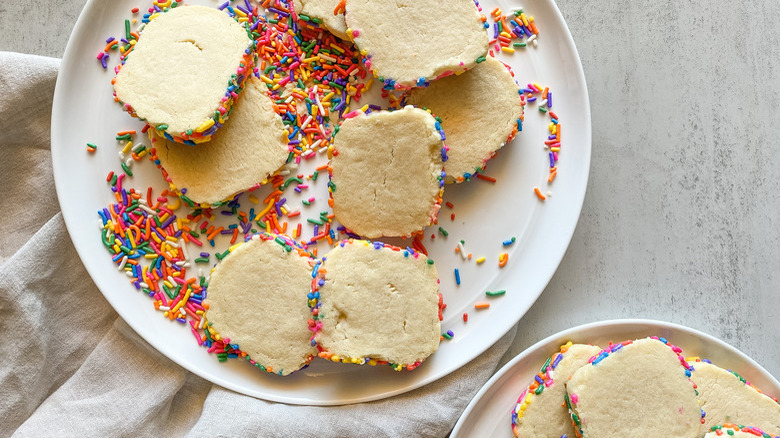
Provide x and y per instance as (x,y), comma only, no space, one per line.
(206,125)
(253,199)
(234,247)
(555,149)
(128,146)
(480,260)
(507,49)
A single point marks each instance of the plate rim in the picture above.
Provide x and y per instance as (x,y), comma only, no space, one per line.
(567,231)
(628,322)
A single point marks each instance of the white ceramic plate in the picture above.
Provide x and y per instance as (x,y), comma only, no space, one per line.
(489,413)
(485,214)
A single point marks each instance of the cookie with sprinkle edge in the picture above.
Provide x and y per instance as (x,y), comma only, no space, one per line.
(185,72)
(480,111)
(410,43)
(249,149)
(635,389)
(374,303)
(257,299)
(540,411)
(386,172)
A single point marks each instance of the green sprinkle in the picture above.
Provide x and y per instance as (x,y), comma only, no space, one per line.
(519,44)
(539,390)
(295,178)
(126,169)
(496,293)
(316,20)
(314,175)
(481,59)
(162,127)
(127,30)
(446,335)
(315,221)
(546,364)
(443,232)
(305,202)
(123,137)
(430,262)
(92,145)
(187,201)
(202,260)
(304,17)
(542,109)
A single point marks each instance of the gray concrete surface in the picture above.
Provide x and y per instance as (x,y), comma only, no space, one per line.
(682,216)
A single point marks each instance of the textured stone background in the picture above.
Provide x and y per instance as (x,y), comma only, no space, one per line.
(682,216)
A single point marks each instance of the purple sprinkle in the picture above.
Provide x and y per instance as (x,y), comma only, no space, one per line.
(539,379)
(549,99)
(223,6)
(242,9)
(532,99)
(316,229)
(168,222)
(204,254)
(495,30)
(450,332)
(226,231)
(111,39)
(226,213)
(552,160)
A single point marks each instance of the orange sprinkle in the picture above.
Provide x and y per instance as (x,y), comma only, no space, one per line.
(486,178)
(125,133)
(480,306)
(552,176)
(539,194)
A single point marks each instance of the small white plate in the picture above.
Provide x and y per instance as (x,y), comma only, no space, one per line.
(485,214)
(490,412)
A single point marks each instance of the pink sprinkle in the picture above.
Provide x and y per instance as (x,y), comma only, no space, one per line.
(574,398)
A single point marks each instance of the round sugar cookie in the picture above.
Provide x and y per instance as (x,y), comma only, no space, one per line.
(635,389)
(243,154)
(375,303)
(737,431)
(409,43)
(185,71)
(329,11)
(727,398)
(386,176)
(480,111)
(257,298)
(540,412)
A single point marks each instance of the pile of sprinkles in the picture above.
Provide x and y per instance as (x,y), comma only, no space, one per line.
(162,241)
(517,27)
(535,93)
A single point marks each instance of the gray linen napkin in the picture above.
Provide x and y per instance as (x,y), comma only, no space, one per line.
(71,367)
